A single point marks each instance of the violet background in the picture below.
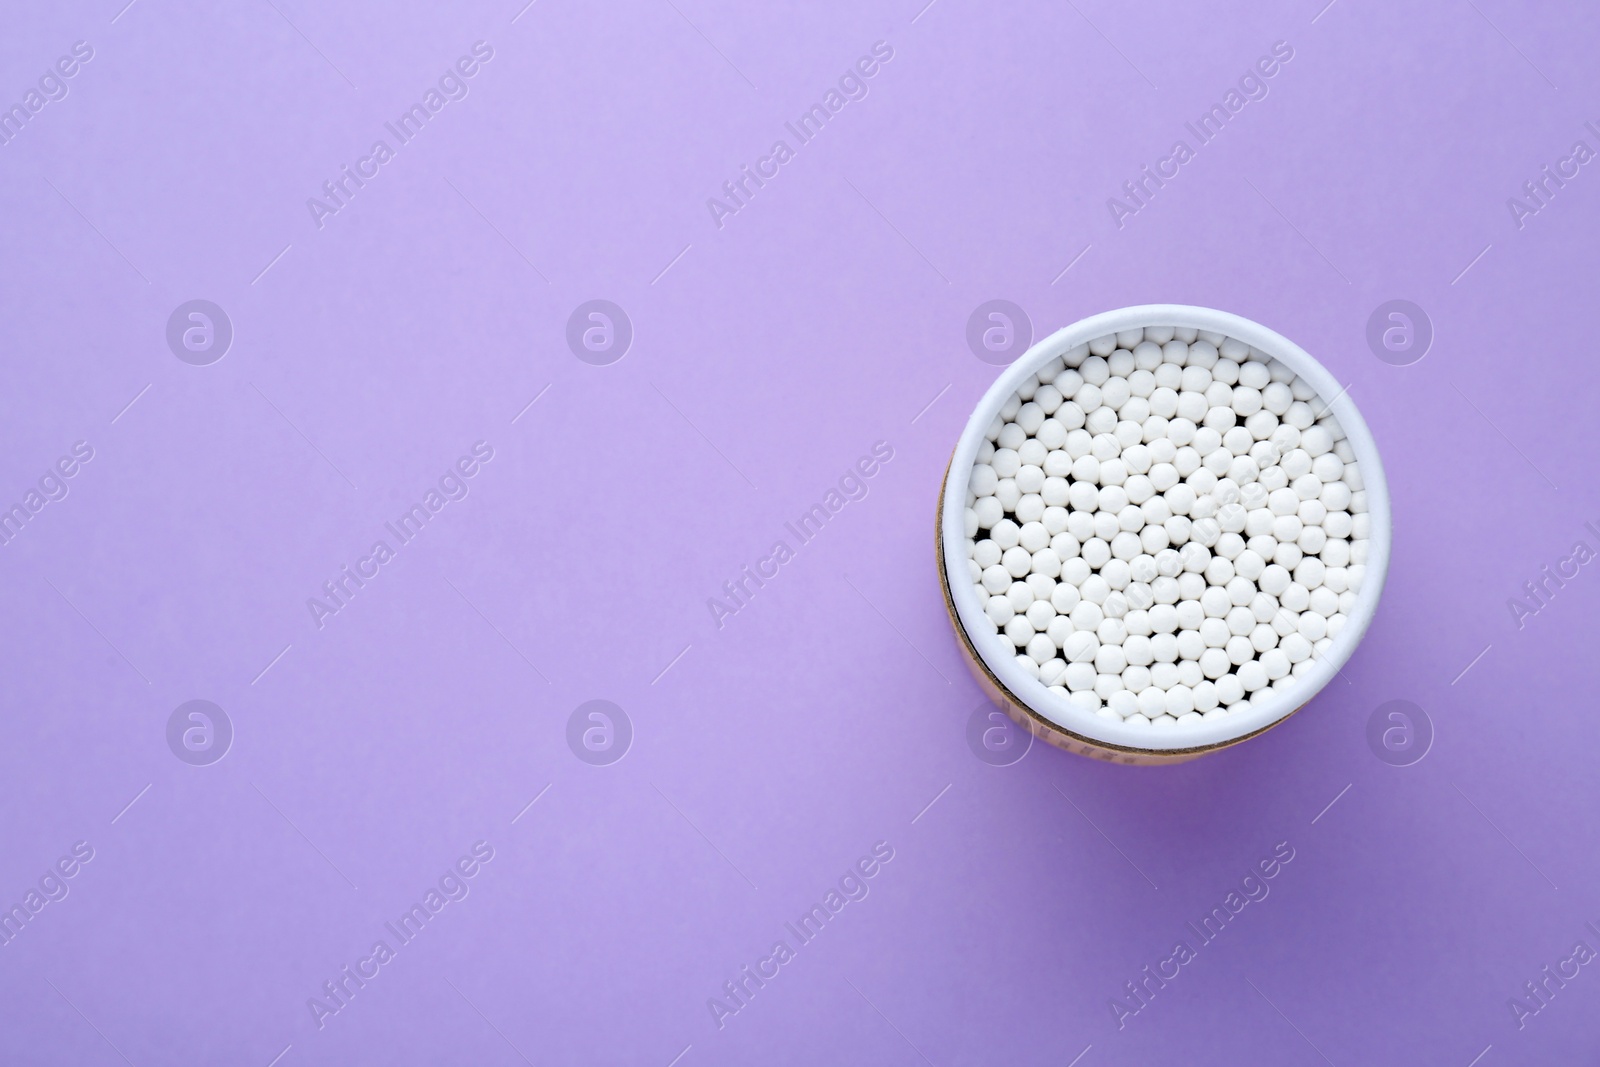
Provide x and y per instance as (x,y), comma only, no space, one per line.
(770,754)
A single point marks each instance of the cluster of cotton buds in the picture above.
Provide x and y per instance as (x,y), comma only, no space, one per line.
(1165,525)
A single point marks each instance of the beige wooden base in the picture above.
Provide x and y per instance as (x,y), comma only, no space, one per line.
(1037,724)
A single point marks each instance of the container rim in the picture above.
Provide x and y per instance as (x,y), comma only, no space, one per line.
(1211,732)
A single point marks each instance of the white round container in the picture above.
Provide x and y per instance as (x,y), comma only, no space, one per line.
(1024,697)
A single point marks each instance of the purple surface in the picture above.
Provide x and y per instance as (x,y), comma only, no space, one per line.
(830,712)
